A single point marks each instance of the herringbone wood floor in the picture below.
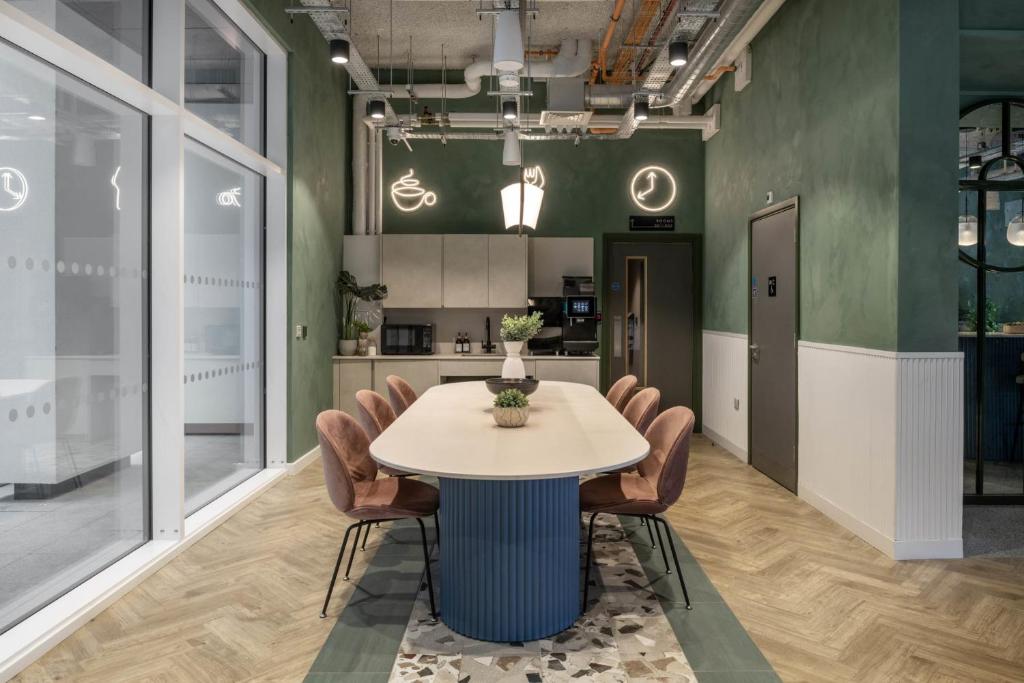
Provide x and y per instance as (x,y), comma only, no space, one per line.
(823,605)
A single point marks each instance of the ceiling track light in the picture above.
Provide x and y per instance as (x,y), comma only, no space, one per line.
(509,110)
(641,110)
(678,53)
(376,109)
(974,162)
(339,51)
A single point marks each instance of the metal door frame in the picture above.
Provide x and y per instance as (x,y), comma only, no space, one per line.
(785,205)
(696,241)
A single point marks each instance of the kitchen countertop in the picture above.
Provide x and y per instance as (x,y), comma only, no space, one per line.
(462,356)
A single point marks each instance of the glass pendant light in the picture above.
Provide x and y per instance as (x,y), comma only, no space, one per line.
(967,232)
(1015,229)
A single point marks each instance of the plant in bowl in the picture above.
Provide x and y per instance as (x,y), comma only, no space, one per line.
(516,329)
(511,408)
(350,295)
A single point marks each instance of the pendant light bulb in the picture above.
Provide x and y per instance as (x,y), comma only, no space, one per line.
(510,153)
(1015,231)
(509,110)
(508,41)
(678,53)
(339,51)
(376,109)
(967,232)
(641,110)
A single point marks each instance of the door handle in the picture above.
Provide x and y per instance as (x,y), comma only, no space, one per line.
(755,352)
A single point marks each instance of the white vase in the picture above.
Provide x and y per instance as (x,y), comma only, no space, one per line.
(347,347)
(513,367)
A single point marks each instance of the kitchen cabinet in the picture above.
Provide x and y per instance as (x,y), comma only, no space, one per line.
(414,271)
(584,370)
(506,276)
(348,379)
(421,374)
(466,271)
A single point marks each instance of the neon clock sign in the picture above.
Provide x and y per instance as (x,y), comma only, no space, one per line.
(652,189)
(408,196)
(13,189)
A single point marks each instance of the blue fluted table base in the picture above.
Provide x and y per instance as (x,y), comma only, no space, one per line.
(510,557)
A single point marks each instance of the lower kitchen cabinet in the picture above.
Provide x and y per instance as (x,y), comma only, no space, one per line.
(581,371)
(421,374)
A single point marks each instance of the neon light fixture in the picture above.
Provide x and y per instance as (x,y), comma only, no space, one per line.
(535,176)
(117,190)
(648,181)
(13,189)
(230,197)
(532,197)
(408,196)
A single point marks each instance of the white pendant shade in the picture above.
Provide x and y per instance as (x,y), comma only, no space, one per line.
(508,42)
(1014,231)
(967,233)
(532,197)
(510,153)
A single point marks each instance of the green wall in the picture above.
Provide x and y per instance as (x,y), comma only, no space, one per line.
(843,110)
(586,192)
(319,159)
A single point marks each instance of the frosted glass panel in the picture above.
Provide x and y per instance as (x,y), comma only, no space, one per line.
(73,338)
(223,325)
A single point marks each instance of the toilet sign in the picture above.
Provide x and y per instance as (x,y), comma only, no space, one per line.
(771,285)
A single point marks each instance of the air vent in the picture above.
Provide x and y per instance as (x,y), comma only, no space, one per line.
(565,120)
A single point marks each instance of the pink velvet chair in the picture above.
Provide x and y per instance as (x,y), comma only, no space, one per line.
(375,415)
(400,393)
(620,392)
(641,410)
(351,477)
(650,491)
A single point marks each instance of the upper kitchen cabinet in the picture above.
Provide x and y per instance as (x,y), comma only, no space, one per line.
(506,278)
(414,271)
(466,271)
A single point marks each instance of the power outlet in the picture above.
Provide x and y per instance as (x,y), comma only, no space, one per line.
(300,332)
(735,404)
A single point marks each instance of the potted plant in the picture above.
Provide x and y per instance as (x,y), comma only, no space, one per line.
(350,294)
(516,329)
(511,408)
(363,342)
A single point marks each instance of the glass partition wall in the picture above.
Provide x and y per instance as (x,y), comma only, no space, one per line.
(991,243)
(132,384)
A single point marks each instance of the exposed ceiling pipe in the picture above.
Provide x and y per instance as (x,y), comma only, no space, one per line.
(573,59)
(599,66)
(359,166)
(462,120)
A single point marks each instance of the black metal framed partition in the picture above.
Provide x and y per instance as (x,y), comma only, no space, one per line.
(991,282)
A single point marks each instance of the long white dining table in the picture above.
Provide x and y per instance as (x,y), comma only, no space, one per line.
(509,513)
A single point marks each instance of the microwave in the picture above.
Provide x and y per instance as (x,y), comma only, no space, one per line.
(406,340)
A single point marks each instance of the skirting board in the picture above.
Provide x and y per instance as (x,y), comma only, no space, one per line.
(303,461)
(720,440)
(952,548)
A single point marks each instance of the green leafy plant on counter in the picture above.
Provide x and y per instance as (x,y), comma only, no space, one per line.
(520,327)
(511,398)
(991,311)
(361,327)
(349,292)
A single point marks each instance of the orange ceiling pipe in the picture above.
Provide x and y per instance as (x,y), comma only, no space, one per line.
(602,54)
(719,71)
(648,12)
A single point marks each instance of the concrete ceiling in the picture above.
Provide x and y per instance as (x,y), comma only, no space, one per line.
(454,23)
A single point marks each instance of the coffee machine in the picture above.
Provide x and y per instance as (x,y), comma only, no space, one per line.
(579,316)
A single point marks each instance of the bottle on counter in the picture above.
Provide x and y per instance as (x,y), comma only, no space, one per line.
(465,342)
(458,342)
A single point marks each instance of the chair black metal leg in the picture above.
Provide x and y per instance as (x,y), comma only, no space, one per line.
(337,566)
(675,558)
(657,530)
(643,522)
(352,555)
(426,561)
(586,572)
(366,536)
(437,530)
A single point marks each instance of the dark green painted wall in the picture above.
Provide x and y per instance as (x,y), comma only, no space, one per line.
(586,193)
(318,167)
(822,120)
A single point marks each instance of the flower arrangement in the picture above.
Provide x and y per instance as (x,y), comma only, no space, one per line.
(511,398)
(520,328)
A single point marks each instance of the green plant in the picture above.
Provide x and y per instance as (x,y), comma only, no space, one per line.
(361,327)
(991,311)
(349,292)
(511,398)
(520,327)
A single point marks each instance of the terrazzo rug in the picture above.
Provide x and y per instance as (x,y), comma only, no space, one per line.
(636,627)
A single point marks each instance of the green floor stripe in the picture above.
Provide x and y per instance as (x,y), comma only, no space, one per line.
(717,646)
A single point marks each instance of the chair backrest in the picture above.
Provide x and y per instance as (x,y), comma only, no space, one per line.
(345,453)
(375,415)
(665,466)
(619,393)
(400,393)
(642,409)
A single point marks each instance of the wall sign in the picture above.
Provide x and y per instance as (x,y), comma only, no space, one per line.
(652,223)
(230,197)
(772,285)
(13,189)
(652,189)
(408,196)
(534,175)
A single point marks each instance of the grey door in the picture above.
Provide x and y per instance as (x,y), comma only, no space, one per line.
(773,335)
(650,310)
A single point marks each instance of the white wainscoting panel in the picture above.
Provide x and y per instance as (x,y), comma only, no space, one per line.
(724,382)
(881,445)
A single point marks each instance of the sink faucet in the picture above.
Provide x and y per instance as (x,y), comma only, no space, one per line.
(487,346)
